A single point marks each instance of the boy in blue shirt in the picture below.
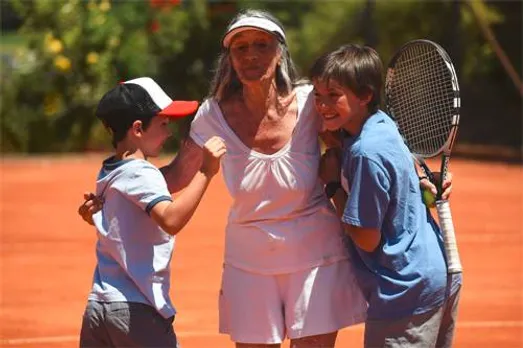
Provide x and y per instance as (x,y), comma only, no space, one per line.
(395,244)
(129,303)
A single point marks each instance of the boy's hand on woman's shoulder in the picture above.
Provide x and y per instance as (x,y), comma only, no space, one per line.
(213,150)
(330,165)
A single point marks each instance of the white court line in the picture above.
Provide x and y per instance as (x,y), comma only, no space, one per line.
(34,340)
(66,339)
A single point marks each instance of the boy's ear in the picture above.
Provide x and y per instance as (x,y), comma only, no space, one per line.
(366,97)
(136,128)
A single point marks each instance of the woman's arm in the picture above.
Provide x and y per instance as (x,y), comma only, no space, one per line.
(173,216)
(184,166)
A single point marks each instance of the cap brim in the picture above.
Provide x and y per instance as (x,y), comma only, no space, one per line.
(179,108)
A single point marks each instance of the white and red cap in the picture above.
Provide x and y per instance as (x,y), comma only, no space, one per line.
(139,99)
(256,23)
(167,106)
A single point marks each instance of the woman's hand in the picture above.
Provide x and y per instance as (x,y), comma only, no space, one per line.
(330,165)
(91,205)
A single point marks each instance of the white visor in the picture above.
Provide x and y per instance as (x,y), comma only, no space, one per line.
(247,23)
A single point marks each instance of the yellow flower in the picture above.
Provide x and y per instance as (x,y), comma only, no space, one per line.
(105,6)
(55,46)
(52,104)
(62,63)
(113,41)
(92,58)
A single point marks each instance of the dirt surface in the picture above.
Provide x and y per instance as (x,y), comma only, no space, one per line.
(47,256)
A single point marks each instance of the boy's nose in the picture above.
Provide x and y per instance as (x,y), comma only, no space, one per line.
(321,104)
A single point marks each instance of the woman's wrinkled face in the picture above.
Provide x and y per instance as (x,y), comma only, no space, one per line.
(255,55)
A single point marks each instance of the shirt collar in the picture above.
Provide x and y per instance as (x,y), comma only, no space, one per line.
(373,119)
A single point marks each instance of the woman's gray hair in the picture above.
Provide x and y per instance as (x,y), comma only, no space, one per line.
(225,82)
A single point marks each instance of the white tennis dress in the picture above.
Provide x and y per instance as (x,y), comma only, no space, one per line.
(280,220)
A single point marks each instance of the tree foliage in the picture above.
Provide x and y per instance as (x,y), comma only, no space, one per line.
(78,49)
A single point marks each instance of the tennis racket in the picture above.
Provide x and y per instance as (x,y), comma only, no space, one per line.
(422,95)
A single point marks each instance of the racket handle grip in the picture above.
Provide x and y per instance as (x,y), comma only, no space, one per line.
(449,237)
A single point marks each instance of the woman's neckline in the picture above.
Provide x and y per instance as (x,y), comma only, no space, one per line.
(253,152)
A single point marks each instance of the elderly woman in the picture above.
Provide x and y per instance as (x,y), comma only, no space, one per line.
(286,272)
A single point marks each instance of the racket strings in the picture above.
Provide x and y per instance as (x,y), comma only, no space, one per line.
(426,89)
(426,132)
(422,99)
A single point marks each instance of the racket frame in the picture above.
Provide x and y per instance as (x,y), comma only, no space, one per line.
(446,148)
(442,206)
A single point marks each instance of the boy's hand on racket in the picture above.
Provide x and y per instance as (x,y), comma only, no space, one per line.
(91,205)
(330,165)
(213,150)
(447,185)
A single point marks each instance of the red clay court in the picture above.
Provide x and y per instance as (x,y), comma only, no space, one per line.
(47,256)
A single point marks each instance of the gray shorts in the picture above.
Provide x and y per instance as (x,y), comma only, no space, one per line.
(125,324)
(432,329)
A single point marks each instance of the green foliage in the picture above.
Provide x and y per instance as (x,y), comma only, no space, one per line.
(332,23)
(72,51)
(76,51)
(314,27)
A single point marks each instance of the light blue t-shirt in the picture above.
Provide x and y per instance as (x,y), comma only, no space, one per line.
(406,274)
(133,253)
